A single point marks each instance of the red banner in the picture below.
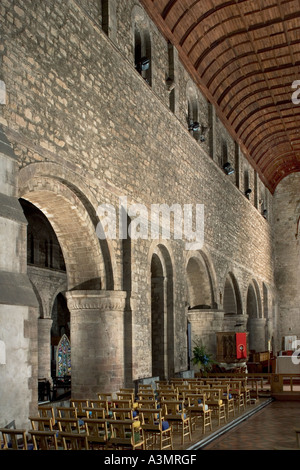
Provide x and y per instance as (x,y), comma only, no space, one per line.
(241,345)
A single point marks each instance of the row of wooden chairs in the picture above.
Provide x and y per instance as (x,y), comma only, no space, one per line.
(181,405)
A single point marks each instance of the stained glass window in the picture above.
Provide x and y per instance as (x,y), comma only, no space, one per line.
(63,357)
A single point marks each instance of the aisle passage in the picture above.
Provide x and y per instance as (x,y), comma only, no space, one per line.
(269,428)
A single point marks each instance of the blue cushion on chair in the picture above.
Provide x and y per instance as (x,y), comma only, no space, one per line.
(165,425)
(134,414)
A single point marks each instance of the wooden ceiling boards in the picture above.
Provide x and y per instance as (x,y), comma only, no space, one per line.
(245,57)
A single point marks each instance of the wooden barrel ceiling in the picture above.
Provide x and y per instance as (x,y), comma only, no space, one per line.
(245,56)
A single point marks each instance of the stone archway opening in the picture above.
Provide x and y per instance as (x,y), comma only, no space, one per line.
(255,324)
(162,314)
(89,280)
(199,285)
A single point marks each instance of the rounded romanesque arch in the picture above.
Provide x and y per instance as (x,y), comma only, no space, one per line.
(201,290)
(162,312)
(142,43)
(232,302)
(256,323)
(73,218)
(71,210)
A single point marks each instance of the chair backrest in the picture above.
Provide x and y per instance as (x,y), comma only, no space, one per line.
(236,386)
(147,404)
(44,440)
(80,405)
(215,395)
(97,430)
(127,390)
(95,413)
(148,394)
(196,401)
(14,439)
(47,412)
(224,391)
(123,433)
(125,396)
(170,395)
(39,423)
(165,388)
(100,404)
(173,409)
(151,419)
(74,441)
(122,404)
(122,413)
(142,387)
(105,396)
(66,412)
(68,425)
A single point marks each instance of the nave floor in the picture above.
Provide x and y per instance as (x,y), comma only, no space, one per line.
(270,428)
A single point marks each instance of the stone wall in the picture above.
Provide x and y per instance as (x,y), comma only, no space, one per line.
(88,129)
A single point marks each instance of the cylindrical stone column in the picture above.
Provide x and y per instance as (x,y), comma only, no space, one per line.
(44,348)
(97,341)
(257,337)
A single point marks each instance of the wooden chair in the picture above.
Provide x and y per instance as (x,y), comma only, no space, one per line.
(66,412)
(101,404)
(125,435)
(127,390)
(47,412)
(147,404)
(68,425)
(125,396)
(14,439)
(44,440)
(80,406)
(236,392)
(69,430)
(97,433)
(142,387)
(156,429)
(197,408)
(39,423)
(216,404)
(73,441)
(228,399)
(168,395)
(95,413)
(246,391)
(105,396)
(122,413)
(121,404)
(175,413)
(162,384)
(146,394)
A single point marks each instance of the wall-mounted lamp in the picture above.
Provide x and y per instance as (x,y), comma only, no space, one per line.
(228,168)
(248,192)
(143,64)
(194,126)
(204,132)
(170,82)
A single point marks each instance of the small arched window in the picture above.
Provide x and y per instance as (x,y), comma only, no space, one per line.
(192,111)
(142,45)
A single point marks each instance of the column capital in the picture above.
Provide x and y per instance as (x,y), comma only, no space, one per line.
(96,300)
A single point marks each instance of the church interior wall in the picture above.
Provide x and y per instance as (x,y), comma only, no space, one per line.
(80,117)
